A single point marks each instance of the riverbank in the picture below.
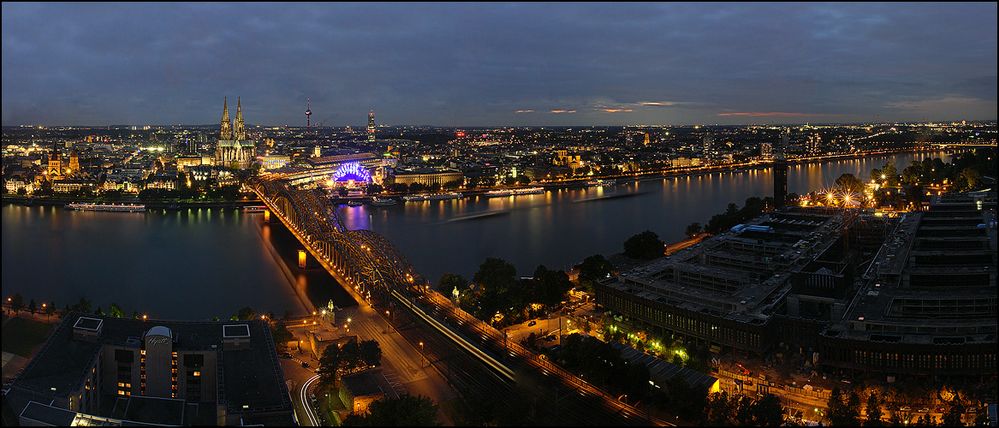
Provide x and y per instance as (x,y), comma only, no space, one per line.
(46,201)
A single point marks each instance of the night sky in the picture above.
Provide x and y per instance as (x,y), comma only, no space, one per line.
(463,64)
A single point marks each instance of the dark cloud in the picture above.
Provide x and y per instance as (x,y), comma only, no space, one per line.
(482,64)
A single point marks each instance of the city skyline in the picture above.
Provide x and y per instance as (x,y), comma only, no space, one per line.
(506,65)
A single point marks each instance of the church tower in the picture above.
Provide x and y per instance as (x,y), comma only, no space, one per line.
(239,128)
(226,128)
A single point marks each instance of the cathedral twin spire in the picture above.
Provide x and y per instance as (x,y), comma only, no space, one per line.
(228,130)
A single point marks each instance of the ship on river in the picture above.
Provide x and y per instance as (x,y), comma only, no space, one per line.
(120,208)
(515,192)
(432,197)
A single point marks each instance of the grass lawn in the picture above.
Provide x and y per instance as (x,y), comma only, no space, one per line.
(329,407)
(21,336)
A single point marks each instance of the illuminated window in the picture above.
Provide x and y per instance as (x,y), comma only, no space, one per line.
(121,384)
(197,374)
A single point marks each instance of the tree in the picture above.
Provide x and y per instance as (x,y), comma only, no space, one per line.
(873,411)
(32,306)
(970,178)
(329,367)
(115,311)
(281,333)
(767,411)
(843,413)
(450,281)
(953,416)
(407,410)
(551,286)
(693,229)
(371,353)
(17,302)
(496,289)
(594,268)
(850,183)
(83,305)
(50,309)
(718,410)
(245,313)
(645,245)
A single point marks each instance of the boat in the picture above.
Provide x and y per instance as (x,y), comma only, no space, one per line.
(599,182)
(383,202)
(354,203)
(123,208)
(254,208)
(515,192)
(432,197)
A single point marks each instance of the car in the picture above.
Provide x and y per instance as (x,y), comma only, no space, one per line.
(305,364)
(532,323)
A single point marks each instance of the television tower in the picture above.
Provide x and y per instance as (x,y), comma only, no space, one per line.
(308,113)
(371,126)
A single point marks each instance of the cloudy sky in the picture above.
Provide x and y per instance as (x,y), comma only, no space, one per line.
(498,64)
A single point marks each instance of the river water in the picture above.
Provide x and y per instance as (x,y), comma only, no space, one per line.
(204,263)
(560,228)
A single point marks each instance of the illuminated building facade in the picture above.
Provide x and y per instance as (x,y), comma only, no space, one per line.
(233,149)
(194,373)
(371,126)
(780,174)
(74,162)
(428,176)
(55,166)
(813,145)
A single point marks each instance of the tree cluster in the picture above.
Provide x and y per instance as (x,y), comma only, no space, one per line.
(724,410)
(407,410)
(602,364)
(347,358)
(498,290)
(644,246)
(734,215)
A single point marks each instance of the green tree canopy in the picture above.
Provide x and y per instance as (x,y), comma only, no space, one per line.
(407,410)
(645,245)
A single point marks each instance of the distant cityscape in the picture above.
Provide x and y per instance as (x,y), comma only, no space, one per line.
(767,214)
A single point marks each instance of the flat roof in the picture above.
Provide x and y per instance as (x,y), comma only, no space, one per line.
(251,375)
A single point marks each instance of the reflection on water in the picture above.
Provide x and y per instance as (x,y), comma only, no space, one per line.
(171,264)
(210,262)
(553,230)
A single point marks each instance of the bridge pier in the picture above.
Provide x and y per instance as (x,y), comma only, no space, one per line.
(267,216)
(302,258)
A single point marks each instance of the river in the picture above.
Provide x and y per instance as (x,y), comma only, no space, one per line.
(204,263)
(560,228)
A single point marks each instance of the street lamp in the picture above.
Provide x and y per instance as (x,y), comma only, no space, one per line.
(422,354)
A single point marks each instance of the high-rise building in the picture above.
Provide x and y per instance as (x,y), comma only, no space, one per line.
(121,372)
(234,150)
(371,126)
(813,145)
(707,142)
(780,173)
(646,139)
(767,151)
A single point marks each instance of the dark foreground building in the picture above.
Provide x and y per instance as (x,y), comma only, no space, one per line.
(113,371)
(859,294)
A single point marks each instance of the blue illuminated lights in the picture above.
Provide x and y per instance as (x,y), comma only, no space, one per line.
(351,171)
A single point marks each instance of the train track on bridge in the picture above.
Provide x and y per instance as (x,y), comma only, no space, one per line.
(369,262)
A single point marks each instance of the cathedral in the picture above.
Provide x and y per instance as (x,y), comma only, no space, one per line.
(234,150)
